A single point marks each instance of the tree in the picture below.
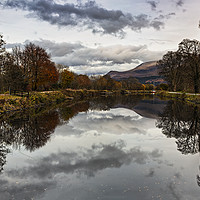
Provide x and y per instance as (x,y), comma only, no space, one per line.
(162,86)
(2,51)
(131,84)
(99,83)
(170,68)
(36,63)
(82,81)
(12,74)
(48,75)
(190,51)
(66,78)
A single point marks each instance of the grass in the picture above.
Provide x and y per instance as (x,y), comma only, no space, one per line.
(10,103)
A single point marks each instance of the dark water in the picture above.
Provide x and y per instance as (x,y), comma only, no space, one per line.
(108,148)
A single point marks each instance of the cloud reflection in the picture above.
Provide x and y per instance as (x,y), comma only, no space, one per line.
(44,172)
(115,121)
(89,162)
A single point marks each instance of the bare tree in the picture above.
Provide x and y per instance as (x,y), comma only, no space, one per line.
(170,69)
(190,51)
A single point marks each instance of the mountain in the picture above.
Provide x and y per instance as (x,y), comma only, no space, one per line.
(146,73)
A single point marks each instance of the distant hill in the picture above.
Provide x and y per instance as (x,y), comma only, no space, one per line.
(145,73)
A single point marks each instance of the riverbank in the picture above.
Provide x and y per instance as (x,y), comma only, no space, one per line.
(10,103)
(187,97)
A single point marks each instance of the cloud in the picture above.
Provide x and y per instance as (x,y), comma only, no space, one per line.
(58,49)
(87,15)
(101,59)
(104,58)
(179,3)
(153,5)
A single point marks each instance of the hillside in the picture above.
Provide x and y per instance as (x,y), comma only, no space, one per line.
(145,73)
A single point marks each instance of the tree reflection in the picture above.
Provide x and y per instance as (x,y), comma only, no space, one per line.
(69,111)
(3,152)
(30,131)
(33,130)
(182,122)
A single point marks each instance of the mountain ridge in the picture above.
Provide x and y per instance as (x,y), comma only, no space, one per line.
(147,72)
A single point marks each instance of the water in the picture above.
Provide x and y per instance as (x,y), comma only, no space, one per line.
(109,148)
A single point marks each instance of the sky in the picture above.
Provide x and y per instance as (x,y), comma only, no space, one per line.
(95,37)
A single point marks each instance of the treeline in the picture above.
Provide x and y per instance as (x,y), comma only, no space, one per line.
(181,68)
(31,69)
(27,69)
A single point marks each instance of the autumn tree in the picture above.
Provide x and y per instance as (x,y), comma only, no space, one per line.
(82,82)
(38,64)
(66,78)
(162,86)
(149,86)
(48,75)
(100,83)
(131,84)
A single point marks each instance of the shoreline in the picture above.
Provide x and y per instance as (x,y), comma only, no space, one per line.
(9,103)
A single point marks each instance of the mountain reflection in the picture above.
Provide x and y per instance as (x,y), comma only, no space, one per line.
(145,106)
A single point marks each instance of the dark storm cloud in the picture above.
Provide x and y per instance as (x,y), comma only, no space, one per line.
(153,4)
(87,15)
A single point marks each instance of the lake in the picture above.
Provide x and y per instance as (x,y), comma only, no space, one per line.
(126,147)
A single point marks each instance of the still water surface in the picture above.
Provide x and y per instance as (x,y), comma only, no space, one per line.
(110,148)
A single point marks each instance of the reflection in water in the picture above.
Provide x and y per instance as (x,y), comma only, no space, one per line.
(182,121)
(32,131)
(88,162)
(107,148)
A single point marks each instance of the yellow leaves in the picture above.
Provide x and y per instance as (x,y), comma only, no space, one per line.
(66,78)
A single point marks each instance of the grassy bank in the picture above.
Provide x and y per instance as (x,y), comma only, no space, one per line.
(187,97)
(9,103)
